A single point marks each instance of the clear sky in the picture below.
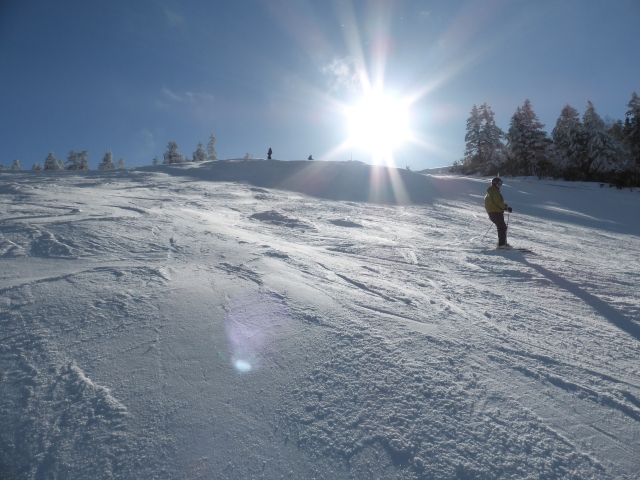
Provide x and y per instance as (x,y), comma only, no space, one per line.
(133,75)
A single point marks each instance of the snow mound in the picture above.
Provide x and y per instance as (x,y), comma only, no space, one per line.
(277,218)
(45,244)
(10,249)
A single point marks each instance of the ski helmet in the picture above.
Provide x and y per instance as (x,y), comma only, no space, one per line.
(496,181)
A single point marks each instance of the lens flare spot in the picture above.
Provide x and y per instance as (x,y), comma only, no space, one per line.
(242,366)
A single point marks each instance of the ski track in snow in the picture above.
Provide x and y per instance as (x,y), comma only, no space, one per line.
(161,326)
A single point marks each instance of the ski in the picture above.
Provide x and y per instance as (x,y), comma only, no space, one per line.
(514,249)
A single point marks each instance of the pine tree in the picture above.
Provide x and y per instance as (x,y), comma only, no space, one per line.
(471,159)
(36,166)
(493,150)
(615,128)
(84,162)
(51,163)
(73,160)
(485,151)
(155,160)
(120,163)
(601,153)
(632,128)
(107,161)
(16,165)
(199,155)
(171,155)
(2,167)
(528,143)
(211,149)
(567,142)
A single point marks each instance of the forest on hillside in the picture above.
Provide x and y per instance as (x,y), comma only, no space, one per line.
(587,149)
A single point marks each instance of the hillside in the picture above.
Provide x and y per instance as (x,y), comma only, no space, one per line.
(315,320)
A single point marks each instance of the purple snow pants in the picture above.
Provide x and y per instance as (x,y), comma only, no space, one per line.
(498,219)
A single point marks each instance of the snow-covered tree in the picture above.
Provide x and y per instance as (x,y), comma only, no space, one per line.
(120,163)
(16,165)
(567,141)
(211,149)
(172,155)
(472,138)
(615,128)
(84,162)
(77,160)
(527,142)
(107,161)
(485,152)
(199,155)
(155,160)
(632,128)
(601,152)
(51,163)
(248,156)
(36,166)
(73,161)
(2,167)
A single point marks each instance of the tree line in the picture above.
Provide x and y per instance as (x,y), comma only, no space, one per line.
(79,160)
(172,156)
(590,149)
(75,161)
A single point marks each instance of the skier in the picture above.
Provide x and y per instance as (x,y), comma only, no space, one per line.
(310,157)
(495,206)
(269,154)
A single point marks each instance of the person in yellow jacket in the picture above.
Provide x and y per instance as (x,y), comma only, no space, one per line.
(495,206)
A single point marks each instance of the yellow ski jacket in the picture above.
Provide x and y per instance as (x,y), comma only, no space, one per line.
(493,201)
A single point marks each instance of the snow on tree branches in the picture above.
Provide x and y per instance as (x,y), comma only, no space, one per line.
(485,152)
(566,138)
(77,160)
(527,142)
(172,156)
(107,162)
(211,149)
(51,163)
(631,130)
(199,155)
(600,151)
(590,150)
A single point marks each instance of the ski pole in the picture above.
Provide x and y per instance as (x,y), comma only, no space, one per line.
(487,232)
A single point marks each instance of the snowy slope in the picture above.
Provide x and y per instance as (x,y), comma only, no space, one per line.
(312,320)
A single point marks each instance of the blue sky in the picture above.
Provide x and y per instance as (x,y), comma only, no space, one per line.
(132,76)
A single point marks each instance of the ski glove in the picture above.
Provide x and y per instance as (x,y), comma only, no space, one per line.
(509,209)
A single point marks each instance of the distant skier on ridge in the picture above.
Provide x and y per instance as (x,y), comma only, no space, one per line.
(495,206)
(269,154)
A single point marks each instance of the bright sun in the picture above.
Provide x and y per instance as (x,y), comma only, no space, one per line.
(379,123)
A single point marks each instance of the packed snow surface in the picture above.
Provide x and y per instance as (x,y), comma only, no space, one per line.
(312,320)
